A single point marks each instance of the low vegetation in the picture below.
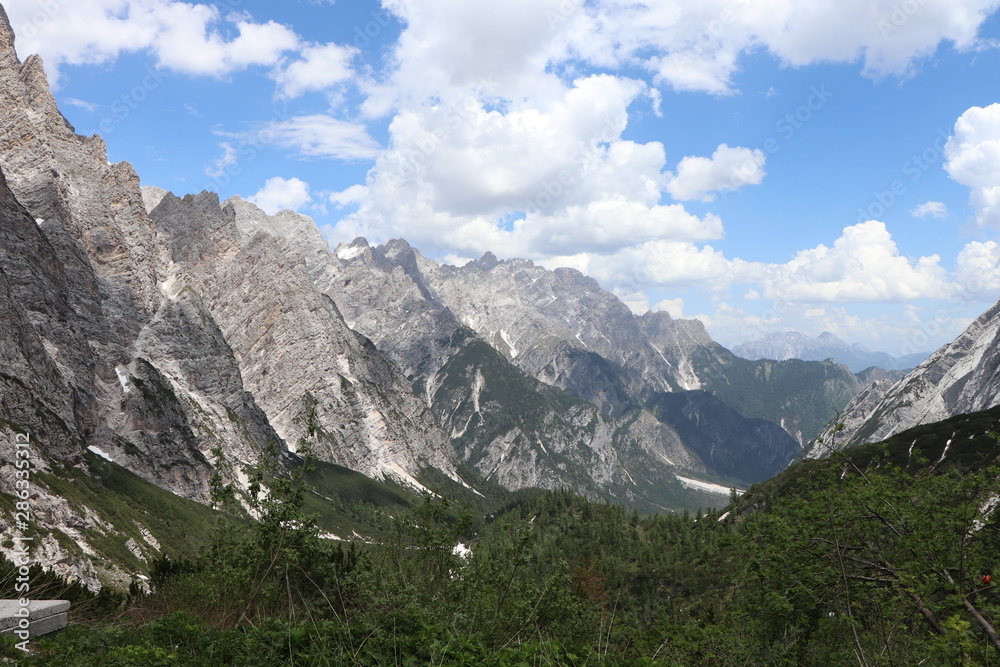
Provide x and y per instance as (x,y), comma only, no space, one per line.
(882,555)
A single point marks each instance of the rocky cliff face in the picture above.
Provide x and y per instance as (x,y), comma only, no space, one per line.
(562,329)
(511,359)
(177,346)
(508,426)
(86,261)
(319,383)
(961,377)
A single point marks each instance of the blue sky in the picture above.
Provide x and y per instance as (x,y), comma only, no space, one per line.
(763,166)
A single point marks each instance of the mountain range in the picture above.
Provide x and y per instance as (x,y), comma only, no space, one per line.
(794,345)
(158,347)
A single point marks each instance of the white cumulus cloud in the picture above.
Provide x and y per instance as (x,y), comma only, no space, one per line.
(280,193)
(348,196)
(698,46)
(533,178)
(729,168)
(318,68)
(977,269)
(973,159)
(863,265)
(184,37)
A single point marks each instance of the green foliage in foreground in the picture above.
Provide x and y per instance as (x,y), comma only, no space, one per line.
(832,564)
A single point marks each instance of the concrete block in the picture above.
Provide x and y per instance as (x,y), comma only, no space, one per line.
(44,616)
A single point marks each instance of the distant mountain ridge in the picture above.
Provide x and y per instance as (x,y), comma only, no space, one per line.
(794,345)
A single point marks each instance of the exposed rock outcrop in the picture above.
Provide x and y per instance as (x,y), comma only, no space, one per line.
(961,377)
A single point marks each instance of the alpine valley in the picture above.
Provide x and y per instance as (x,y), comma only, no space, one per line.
(184,339)
(173,367)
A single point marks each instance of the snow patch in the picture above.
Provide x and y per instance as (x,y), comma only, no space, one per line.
(689,483)
(330,536)
(122,378)
(510,343)
(945,451)
(100,452)
(349,252)
(461,550)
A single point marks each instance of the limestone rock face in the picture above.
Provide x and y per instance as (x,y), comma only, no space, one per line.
(178,345)
(85,260)
(963,376)
(511,360)
(509,426)
(92,354)
(319,383)
(65,181)
(185,344)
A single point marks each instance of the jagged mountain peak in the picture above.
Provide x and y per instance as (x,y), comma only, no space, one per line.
(152,196)
(297,228)
(200,232)
(346,252)
(392,247)
(665,331)
(6,37)
(487,262)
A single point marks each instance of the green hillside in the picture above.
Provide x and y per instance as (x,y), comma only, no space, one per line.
(883,555)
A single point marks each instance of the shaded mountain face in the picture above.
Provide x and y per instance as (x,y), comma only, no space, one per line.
(320,384)
(793,345)
(961,377)
(727,442)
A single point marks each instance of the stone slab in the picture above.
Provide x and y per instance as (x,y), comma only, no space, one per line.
(44,616)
